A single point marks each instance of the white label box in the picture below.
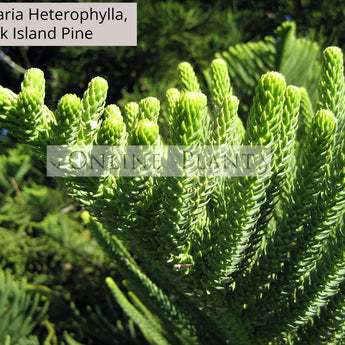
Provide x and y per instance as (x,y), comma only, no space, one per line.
(68,24)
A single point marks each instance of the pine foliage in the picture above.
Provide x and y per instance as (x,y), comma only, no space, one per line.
(295,58)
(246,260)
(44,240)
(20,311)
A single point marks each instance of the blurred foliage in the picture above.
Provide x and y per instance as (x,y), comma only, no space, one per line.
(44,241)
(20,312)
(168,32)
(321,21)
(296,58)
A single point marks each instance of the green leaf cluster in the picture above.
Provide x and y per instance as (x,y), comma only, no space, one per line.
(20,310)
(296,58)
(51,267)
(246,260)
